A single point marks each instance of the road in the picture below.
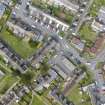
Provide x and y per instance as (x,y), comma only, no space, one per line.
(82,18)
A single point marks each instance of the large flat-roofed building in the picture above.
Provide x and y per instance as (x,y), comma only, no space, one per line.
(68,64)
(64,67)
(98,24)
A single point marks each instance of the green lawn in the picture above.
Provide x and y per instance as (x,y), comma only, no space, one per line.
(37,101)
(21,47)
(96,6)
(76,97)
(6,82)
(87,34)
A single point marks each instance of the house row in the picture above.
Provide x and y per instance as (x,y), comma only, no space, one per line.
(23,30)
(48,21)
(12,56)
(14,95)
(68,5)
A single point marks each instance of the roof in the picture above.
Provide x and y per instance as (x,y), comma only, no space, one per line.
(68,64)
(2,9)
(101,15)
(78,43)
(97,45)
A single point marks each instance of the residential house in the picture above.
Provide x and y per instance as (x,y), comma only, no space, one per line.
(45,81)
(98,24)
(1,74)
(78,43)
(68,5)
(2,9)
(97,46)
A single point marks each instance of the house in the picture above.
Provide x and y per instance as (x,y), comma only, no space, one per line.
(78,43)
(48,21)
(45,81)
(96,94)
(59,97)
(97,46)
(68,5)
(1,74)
(2,9)
(98,24)
(7,2)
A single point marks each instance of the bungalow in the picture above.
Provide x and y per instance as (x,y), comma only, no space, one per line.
(78,43)
(98,24)
(45,81)
(97,46)
(1,74)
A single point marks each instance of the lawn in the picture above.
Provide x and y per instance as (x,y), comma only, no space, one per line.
(86,33)
(21,47)
(6,82)
(37,101)
(96,6)
(8,79)
(75,95)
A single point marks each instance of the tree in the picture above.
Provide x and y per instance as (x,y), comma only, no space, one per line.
(44,67)
(27,77)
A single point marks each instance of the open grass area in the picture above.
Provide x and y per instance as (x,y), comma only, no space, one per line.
(37,101)
(96,6)
(6,82)
(86,33)
(28,98)
(21,47)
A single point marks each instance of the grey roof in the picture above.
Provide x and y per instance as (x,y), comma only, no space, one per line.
(2,9)
(101,15)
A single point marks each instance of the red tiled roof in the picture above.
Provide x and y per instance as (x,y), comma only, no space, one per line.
(97,45)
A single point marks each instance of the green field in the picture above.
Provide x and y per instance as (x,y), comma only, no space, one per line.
(21,47)
(87,34)
(6,82)
(37,101)
(8,79)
